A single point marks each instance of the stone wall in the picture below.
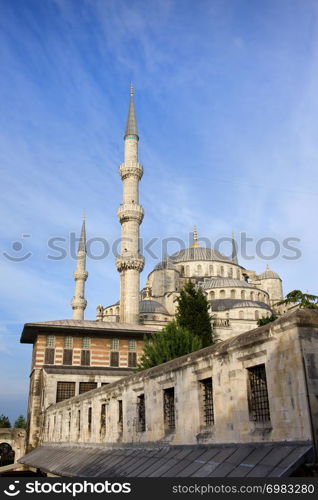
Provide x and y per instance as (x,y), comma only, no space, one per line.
(15,438)
(285,347)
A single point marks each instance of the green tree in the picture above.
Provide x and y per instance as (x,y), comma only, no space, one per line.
(20,422)
(193,313)
(304,300)
(4,422)
(266,319)
(172,342)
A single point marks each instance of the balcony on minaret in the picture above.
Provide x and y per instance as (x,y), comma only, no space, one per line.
(131,168)
(130,211)
(129,260)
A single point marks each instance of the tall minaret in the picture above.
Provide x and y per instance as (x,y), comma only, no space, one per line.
(80,276)
(129,262)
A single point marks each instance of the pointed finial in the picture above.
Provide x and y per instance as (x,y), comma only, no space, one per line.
(195,243)
(84,214)
(131,127)
(82,242)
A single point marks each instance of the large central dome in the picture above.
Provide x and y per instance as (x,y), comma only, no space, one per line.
(198,253)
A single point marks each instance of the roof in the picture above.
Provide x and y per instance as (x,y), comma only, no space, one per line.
(198,253)
(224,282)
(225,304)
(151,306)
(81,327)
(217,460)
(131,126)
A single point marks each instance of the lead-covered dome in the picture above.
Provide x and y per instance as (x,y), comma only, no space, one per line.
(268,273)
(151,306)
(198,253)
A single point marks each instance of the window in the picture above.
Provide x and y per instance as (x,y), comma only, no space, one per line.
(257,394)
(120,414)
(89,419)
(132,359)
(103,418)
(85,358)
(67,356)
(222,294)
(68,342)
(238,274)
(206,390)
(222,271)
(49,356)
(242,294)
(199,270)
(86,343)
(187,272)
(212,295)
(114,358)
(65,390)
(115,344)
(141,413)
(211,270)
(169,408)
(256,315)
(230,273)
(86,386)
(50,341)
(232,294)
(241,315)
(252,295)
(131,345)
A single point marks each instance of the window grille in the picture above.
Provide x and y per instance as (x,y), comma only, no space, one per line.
(207,401)
(68,342)
(86,342)
(103,417)
(115,344)
(49,356)
(120,414)
(169,408)
(65,390)
(89,419)
(86,386)
(67,356)
(258,395)
(85,358)
(50,341)
(141,413)
(131,345)
(114,358)
(132,359)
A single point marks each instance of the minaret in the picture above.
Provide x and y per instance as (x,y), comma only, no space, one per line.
(129,262)
(234,250)
(80,276)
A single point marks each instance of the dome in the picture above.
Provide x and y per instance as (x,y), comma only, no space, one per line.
(151,306)
(198,253)
(166,264)
(226,304)
(224,283)
(268,273)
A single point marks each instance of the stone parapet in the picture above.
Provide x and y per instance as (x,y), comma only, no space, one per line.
(78,303)
(130,261)
(80,275)
(131,169)
(130,211)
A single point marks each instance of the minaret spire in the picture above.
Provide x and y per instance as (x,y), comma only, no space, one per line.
(129,262)
(80,276)
(234,250)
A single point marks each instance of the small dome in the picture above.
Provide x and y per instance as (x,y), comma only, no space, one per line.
(151,306)
(268,273)
(166,264)
(224,283)
(198,253)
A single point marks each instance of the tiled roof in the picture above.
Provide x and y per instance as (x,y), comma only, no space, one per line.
(217,460)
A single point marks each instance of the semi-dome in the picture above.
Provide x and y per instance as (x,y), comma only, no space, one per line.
(198,253)
(226,304)
(268,273)
(151,306)
(224,283)
(166,264)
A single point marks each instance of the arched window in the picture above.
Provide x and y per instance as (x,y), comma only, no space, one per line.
(211,270)
(212,295)
(256,315)
(199,270)
(222,271)
(227,315)
(182,270)
(222,294)
(233,293)
(187,271)
(259,296)
(238,274)
(243,294)
(230,272)
(252,295)
(241,314)
(110,311)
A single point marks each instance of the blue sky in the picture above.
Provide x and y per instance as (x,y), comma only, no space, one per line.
(227,106)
